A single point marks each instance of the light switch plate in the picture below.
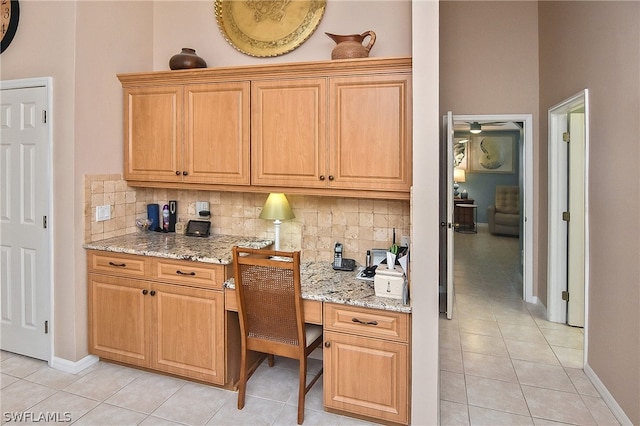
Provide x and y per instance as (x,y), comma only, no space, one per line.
(103,213)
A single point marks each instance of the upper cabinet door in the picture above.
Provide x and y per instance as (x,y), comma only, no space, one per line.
(288,133)
(152,133)
(370,132)
(217,133)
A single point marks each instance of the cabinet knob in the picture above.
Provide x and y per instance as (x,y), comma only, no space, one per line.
(327,344)
(330,177)
(145,291)
(185,173)
(153,292)
(321,177)
(177,173)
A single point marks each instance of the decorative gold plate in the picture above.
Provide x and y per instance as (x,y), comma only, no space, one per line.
(268,27)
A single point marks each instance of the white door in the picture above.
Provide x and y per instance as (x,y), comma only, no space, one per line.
(568,249)
(576,224)
(25,273)
(448,130)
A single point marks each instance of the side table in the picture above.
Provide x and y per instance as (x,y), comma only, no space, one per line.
(468,218)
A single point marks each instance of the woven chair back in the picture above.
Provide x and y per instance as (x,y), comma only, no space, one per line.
(269,295)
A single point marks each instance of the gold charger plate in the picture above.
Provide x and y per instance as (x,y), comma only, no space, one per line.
(268,27)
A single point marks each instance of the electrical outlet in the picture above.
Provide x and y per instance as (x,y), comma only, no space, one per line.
(103,213)
(404,241)
(202,206)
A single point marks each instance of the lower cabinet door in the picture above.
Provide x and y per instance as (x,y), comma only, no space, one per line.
(188,332)
(366,376)
(119,319)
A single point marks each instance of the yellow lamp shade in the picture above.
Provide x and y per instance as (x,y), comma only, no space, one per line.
(459,175)
(276,208)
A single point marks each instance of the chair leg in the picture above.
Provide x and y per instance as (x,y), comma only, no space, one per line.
(270,359)
(242,385)
(302,389)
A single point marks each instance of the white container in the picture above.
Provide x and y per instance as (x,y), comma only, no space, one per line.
(389,282)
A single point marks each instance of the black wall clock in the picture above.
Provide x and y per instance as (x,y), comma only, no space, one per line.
(9,17)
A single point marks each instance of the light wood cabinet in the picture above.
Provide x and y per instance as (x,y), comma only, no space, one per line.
(188,133)
(354,135)
(153,133)
(370,132)
(119,317)
(155,321)
(339,128)
(288,133)
(366,362)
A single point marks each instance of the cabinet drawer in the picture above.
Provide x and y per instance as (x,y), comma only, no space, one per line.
(189,273)
(388,325)
(117,264)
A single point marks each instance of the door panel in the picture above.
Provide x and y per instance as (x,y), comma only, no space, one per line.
(576,232)
(153,118)
(448,129)
(288,134)
(217,133)
(24,204)
(189,335)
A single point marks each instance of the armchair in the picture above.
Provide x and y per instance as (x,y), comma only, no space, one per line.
(504,215)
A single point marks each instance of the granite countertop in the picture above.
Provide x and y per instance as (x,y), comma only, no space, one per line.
(212,249)
(320,282)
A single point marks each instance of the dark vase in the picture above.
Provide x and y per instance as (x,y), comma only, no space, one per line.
(186,59)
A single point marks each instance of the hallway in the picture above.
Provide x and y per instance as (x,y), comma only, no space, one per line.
(501,362)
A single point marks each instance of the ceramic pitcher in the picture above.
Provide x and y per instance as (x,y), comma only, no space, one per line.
(350,46)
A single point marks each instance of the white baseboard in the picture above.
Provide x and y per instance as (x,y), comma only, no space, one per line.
(73,367)
(607,397)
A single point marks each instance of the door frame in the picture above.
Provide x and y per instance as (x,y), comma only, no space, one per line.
(556,307)
(526,182)
(47,83)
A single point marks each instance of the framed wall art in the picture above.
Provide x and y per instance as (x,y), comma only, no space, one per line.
(492,154)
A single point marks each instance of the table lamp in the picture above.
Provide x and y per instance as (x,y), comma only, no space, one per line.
(277,208)
(458,176)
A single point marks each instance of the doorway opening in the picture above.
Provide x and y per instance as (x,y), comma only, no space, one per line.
(515,133)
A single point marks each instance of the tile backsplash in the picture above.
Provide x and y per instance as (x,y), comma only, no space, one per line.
(360,224)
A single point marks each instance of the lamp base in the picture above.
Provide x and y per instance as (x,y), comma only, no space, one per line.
(276,224)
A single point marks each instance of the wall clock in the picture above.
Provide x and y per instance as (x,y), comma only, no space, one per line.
(9,17)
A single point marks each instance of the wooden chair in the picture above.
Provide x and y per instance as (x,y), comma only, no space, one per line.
(271,314)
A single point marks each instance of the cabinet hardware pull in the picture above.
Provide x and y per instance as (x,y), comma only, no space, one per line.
(177,173)
(153,292)
(321,177)
(185,173)
(364,322)
(179,272)
(119,265)
(145,291)
(327,344)
(331,177)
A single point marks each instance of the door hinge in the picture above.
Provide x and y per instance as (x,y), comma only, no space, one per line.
(44,116)
(566,136)
(566,216)
(44,222)
(46,327)
(565,296)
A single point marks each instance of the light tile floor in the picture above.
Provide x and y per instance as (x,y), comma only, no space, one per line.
(113,395)
(501,361)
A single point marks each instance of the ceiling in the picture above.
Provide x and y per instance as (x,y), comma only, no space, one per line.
(463,126)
